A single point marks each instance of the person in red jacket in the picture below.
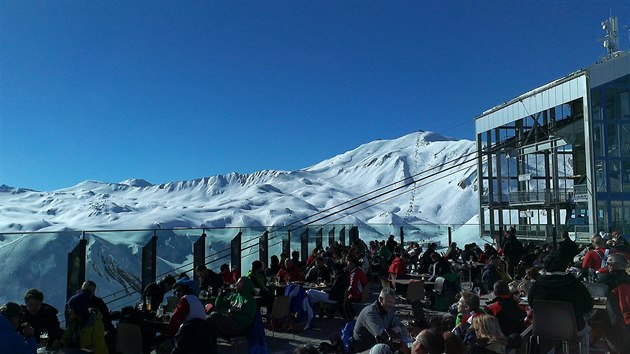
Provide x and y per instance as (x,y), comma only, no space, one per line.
(596,259)
(398,269)
(289,272)
(358,280)
(189,307)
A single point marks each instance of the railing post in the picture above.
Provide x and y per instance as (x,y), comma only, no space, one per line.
(286,244)
(149,262)
(304,244)
(331,237)
(235,246)
(199,254)
(319,238)
(402,238)
(450,236)
(76,267)
(342,236)
(263,248)
(353,234)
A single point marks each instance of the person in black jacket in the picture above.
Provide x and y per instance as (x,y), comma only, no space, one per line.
(42,317)
(98,303)
(441,266)
(567,248)
(337,291)
(155,291)
(208,279)
(559,286)
(490,274)
(513,251)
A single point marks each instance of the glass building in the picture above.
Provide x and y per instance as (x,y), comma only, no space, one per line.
(558,157)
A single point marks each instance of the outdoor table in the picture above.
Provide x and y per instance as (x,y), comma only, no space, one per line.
(309,286)
(277,289)
(45,350)
(416,275)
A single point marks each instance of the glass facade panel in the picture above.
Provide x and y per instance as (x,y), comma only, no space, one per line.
(618,103)
(596,110)
(612,140)
(625,176)
(602,215)
(626,218)
(597,140)
(614,176)
(600,176)
(624,139)
(613,110)
(616,215)
(624,103)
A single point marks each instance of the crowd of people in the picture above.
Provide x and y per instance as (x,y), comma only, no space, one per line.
(488,316)
(24,328)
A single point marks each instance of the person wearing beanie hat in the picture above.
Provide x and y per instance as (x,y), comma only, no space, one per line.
(11,341)
(41,316)
(188,325)
(85,327)
(188,307)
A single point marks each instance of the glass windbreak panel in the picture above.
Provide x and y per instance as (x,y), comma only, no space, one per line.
(614,176)
(379,232)
(427,233)
(612,140)
(596,106)
(36,260)
(602,215)
(625,176)
(597,140)
(600,176)
(624,139)
(616,215)
(468,233)
(250,248)
(115,265)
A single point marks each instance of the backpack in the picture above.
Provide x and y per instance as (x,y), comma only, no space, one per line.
(346,335)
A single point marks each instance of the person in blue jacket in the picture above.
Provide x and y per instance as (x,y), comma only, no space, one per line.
(11,316)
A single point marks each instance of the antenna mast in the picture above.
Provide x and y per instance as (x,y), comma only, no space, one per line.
(611,40)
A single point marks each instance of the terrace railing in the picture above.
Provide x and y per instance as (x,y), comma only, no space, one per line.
(123,262)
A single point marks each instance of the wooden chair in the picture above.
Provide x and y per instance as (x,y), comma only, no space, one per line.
(128,339)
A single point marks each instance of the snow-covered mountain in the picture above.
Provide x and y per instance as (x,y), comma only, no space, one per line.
(444,194)
(264,198)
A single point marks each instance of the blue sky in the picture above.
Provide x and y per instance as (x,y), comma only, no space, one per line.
(170,90)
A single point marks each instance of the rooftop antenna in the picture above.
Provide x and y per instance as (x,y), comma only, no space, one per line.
(611,40)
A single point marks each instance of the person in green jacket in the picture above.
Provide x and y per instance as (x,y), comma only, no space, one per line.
(233,313)
(257,275)
(85,326)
